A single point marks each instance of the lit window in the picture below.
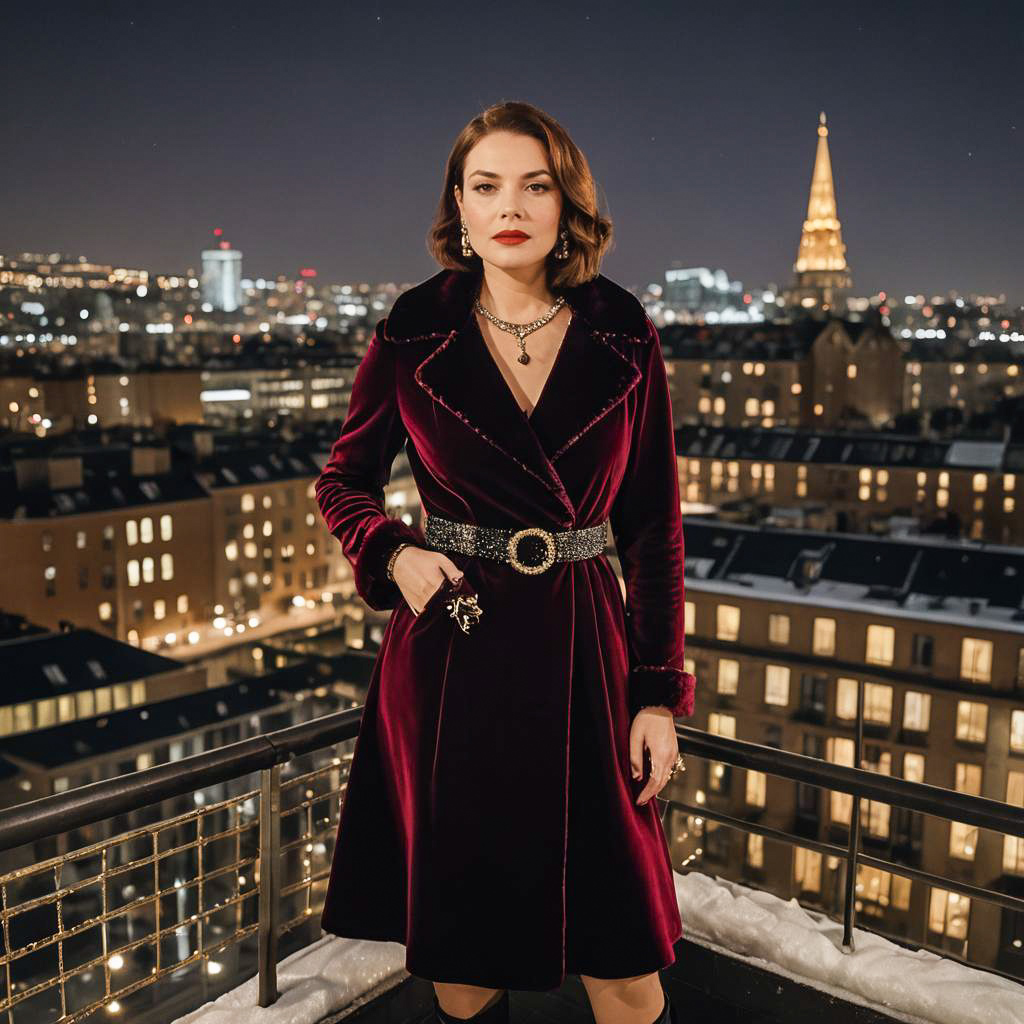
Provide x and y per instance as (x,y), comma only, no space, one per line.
(268,527)
(976,660)
(166,528)
(913,767)
(840,750)
(756,788)
(824,638)
(248,503)
(968,778)
(23,718)
(148,569)
(881,642)
(778,628)
(182,604)
(86,704)
(722,725)
(807,869)
(138,693)
(106,611)
(80,539)
(846,698)
(131,532)
(728,622)
(1013,846)
(231,550)
(971,721)
(755,850)
(776,684)
(122,696)
(146,530)
(877,703)
(133,572)
(159,608)
(917,709)
(690,615)
(167,566)
(728,675)
(963,840)
(948,913)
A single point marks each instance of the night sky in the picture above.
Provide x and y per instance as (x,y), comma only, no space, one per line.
(315,134)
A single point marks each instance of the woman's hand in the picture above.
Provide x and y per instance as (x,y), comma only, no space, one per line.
(420,573)
(655,728)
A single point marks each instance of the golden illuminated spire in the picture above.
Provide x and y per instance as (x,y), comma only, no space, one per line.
(822,276)
(821,242)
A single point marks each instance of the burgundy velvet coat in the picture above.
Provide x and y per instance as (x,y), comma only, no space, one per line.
(490,822)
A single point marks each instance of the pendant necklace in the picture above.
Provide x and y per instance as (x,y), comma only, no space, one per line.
(522,330)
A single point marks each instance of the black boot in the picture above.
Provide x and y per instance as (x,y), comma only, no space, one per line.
(496,1013)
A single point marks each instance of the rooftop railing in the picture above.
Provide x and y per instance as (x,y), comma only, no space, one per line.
(95,926)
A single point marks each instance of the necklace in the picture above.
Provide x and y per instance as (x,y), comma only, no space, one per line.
(522,330)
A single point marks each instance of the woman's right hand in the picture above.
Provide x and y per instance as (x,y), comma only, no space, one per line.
(420,573)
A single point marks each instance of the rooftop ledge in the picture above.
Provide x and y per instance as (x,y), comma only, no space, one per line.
(331,978)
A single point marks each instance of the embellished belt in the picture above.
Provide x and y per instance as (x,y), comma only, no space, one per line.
(503,544)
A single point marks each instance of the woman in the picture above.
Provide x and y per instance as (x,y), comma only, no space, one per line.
(498,818)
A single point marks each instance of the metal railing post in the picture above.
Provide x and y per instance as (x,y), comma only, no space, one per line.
(850,895)
(270,881)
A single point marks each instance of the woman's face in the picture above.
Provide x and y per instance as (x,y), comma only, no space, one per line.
(509,187)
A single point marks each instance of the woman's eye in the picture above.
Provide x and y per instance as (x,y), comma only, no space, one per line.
(535,184)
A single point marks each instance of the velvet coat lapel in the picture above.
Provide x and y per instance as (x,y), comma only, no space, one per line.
(589,377)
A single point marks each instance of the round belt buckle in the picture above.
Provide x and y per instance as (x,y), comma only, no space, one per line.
(531,531)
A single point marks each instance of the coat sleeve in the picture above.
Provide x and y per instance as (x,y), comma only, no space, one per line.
(350,489)
(647,527)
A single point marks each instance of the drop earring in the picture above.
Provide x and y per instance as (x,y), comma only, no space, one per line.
(467,249)
(562,252)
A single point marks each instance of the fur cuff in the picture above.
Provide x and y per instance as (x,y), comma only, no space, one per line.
(369,571)
(664,685)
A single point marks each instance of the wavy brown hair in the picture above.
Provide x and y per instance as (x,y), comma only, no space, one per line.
(590,232)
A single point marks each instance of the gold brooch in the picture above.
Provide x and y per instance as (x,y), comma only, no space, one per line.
(463,608)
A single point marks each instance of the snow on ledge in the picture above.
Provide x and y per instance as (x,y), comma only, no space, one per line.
(781,936)
(774,934)
(318,980)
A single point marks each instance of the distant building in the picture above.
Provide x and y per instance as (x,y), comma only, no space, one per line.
(858,481)
(783,627)
(222,278)
(69,676)
(805,373)
(699,290)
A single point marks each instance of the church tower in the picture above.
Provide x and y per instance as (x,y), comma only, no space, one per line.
(822,280)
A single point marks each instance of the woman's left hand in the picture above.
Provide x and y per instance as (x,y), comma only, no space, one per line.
(654,728)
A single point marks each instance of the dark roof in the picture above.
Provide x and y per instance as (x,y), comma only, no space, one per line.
(50,664)
(889,568)
(98,493)
(254,467)
(76,741)
(782,444)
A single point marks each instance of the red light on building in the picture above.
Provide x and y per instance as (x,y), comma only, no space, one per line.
(746,297)
(218,231)
(188,318)
(307,272)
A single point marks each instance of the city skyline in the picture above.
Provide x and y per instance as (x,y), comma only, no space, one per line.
(690,173)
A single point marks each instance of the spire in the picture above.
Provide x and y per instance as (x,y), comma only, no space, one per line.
(821,241)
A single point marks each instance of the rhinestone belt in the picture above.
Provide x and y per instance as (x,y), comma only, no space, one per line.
(503,544)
